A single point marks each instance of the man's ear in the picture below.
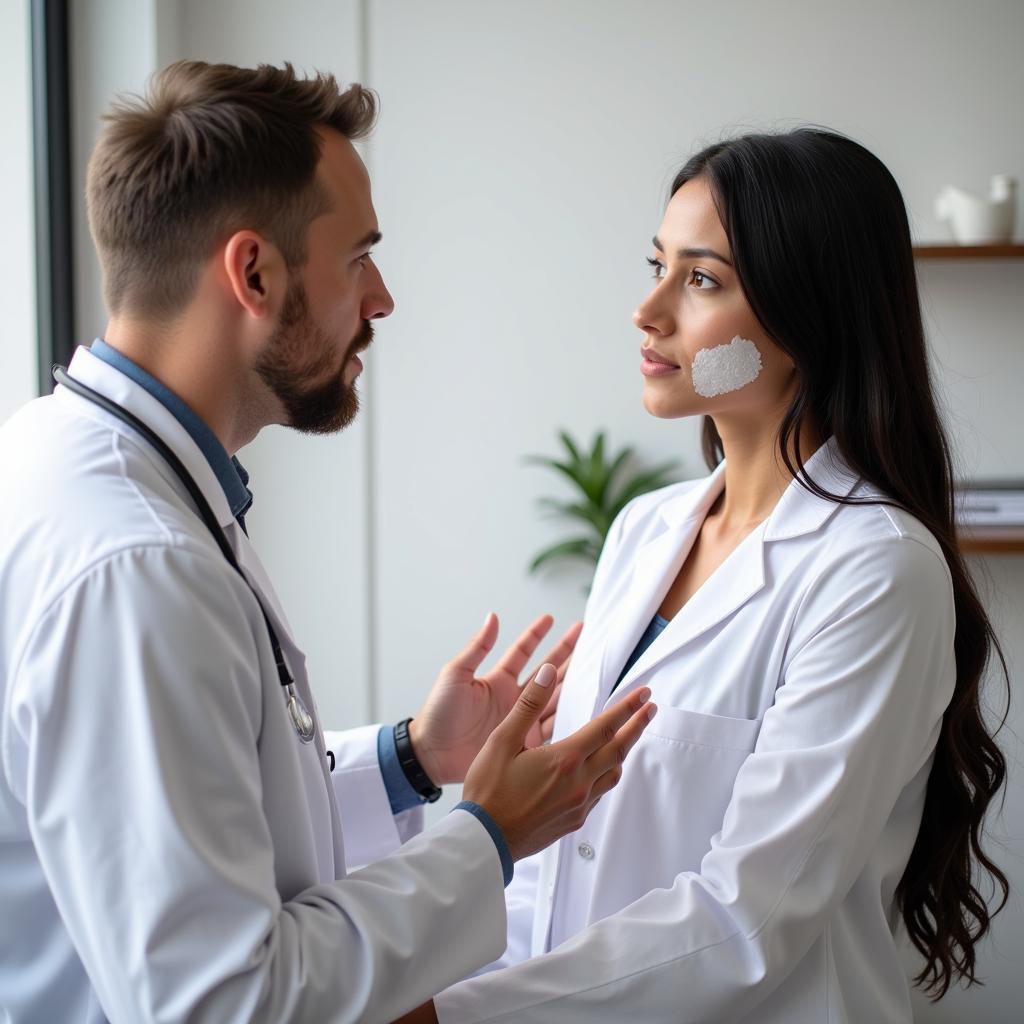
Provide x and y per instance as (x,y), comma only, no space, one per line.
(256,273)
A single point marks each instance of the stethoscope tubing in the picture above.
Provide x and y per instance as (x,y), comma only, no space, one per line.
(300,717)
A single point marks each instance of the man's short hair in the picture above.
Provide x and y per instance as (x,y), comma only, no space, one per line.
(210,150)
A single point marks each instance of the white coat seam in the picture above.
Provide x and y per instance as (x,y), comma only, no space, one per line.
(825,574)
(697,743)
(115,447)
(828,972)
(814,842)
(87,570)
(620,978)
(26,643)
(747,936)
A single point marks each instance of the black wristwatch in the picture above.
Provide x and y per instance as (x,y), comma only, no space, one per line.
(418,778)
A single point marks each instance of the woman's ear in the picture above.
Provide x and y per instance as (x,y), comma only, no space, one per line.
(256,273)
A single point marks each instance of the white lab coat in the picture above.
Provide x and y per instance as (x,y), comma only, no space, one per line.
(744,868)
(169,849)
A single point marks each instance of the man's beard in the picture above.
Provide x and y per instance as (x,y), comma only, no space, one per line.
(299,352)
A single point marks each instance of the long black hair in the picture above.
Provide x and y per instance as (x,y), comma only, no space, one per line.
(821,246)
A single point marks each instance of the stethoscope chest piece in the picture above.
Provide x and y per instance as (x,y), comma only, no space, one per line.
(302,720)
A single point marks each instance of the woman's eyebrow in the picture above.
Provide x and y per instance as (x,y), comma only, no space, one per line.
(693,253)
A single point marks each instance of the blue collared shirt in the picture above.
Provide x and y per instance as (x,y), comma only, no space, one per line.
(234,480)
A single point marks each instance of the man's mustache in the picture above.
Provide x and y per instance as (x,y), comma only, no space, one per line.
(363,339)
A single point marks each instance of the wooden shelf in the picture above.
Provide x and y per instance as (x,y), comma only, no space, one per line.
(992,540)
(944,251)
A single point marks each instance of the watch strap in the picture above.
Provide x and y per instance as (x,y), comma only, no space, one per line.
(418,778)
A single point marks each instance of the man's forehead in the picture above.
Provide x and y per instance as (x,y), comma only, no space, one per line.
(339,163)
(344,179)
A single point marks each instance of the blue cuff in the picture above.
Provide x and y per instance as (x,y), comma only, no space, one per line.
(507,865)
(401,795)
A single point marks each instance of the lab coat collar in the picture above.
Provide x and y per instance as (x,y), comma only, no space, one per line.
(110,382)
(798,511)
(736,581)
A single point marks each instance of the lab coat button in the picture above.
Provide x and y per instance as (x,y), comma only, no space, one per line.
(586,851)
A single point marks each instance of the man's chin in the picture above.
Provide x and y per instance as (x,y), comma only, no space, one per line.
(324,411)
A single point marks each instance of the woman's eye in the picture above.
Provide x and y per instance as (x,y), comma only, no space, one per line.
(657,269)
(702,281)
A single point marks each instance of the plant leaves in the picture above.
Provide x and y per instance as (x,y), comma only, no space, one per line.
(601,494)
(578,547)
(589,513)
(572,473)
(570,447)
(617,463)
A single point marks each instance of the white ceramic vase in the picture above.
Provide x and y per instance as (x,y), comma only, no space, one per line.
(977,221)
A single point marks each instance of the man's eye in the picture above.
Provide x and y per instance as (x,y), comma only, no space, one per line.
(657,268)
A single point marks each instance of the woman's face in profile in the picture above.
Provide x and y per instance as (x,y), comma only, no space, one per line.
(704,351)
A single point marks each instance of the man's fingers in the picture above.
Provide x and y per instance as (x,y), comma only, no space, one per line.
(549,711)
(603,783)
(527,709)
(480,646)
(614,753)
(602,729)
(515,658)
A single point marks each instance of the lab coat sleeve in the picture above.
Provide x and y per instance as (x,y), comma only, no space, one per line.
(856,717)
(362,796)
(137,725)
(520,903)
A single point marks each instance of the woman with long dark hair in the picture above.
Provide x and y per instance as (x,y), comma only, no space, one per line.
(818,774)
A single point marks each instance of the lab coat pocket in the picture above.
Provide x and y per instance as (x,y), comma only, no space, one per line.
(677,784)
(684,726)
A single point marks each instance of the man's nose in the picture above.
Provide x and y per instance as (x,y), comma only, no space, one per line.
(377,301)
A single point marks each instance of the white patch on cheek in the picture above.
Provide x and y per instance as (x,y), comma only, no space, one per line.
(725,368)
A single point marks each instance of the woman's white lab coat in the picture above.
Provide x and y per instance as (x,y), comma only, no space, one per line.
(745,866)
(169,849)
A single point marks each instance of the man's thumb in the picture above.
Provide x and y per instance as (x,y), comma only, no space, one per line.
(527,709)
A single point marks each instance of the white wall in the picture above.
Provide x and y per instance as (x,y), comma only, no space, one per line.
(17,255)
(520,169)
(310,515)
(308,490)
(113,52)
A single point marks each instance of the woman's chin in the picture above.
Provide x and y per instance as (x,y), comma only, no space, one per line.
(671,406)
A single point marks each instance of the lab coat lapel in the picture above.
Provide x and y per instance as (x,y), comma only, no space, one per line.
(296,661)
(730,587)
(740,576)
(257,575)
(656,565)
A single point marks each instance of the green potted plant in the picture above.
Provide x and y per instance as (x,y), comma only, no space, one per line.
(603,485)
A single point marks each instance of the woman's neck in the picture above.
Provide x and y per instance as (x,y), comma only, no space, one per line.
(755,474)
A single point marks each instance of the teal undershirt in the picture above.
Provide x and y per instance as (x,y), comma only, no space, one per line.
(651,633)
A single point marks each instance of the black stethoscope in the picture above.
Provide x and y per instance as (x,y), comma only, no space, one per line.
(300,717)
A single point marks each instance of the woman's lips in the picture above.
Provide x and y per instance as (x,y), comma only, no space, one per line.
(654,365)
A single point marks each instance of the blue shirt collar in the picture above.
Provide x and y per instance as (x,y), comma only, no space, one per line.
(229,471)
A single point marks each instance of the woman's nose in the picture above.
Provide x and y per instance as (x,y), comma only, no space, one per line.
(653,315)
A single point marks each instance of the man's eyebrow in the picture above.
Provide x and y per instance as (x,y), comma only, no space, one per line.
(372,238)
(693,253)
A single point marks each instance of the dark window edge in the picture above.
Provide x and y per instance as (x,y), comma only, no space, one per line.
(52,173)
